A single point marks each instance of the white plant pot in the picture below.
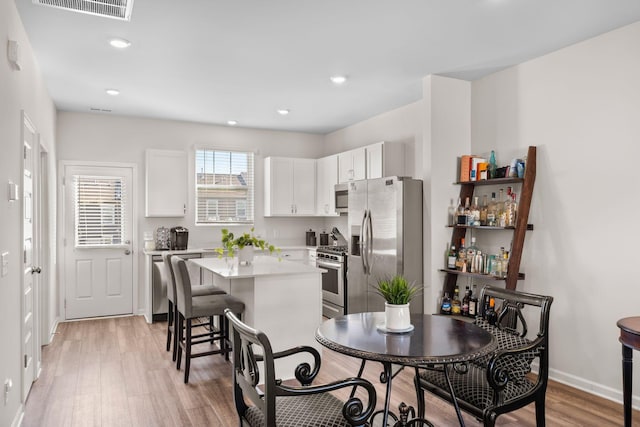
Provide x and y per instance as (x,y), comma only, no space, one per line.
(245,255)
(397,316)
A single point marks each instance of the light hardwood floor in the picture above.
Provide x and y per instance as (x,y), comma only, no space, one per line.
(116,372)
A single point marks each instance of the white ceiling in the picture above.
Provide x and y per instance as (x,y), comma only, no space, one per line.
(211,61)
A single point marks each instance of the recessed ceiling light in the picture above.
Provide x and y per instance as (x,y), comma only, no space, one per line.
(338,80)
(232,122)
(120,43)
(283,112)
(113,92)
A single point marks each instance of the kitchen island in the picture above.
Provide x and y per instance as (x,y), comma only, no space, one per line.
(283,299)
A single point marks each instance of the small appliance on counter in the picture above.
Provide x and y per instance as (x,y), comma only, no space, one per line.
(179,238)
(324,238)
(310,238)
(162,239)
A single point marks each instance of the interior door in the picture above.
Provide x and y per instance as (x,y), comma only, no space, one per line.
(29,314)
(97,244)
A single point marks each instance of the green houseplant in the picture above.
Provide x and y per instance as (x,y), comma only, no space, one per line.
(397,293)
(231,243)
(397,290)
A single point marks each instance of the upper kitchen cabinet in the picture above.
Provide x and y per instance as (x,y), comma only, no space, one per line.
(290,186)
(327,179)
(166,186)
(372,161)
(385,159)
(352,165)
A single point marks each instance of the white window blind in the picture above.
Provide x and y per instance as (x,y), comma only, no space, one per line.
(99,210)
(224,186)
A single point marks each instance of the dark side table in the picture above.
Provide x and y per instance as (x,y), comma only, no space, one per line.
(630,339)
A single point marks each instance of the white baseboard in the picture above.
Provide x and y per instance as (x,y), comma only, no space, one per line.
(17,420)
(52,331)
(591,387)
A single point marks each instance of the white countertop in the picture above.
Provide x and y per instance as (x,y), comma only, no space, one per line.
(261,266)
(213,250)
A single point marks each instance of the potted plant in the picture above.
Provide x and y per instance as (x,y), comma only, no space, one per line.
(397,293)
(244,244)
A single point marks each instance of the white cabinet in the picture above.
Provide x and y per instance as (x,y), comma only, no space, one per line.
(166,183)
(290,186)
(352,165)
(385,159)
(326,181)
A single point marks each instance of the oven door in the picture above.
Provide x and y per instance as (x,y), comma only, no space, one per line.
(332,281)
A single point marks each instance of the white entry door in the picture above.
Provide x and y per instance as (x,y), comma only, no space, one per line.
(29,282)
(97,244)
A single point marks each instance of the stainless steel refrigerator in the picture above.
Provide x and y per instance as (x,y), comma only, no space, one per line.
(385,229)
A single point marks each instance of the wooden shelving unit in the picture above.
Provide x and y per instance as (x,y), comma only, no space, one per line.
(519,231)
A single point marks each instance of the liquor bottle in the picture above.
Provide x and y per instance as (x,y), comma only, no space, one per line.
(491,211)
(451,214)
(505,263)
(477,265)
(446,304)
(475,212)
(461,218)
(512,211)
(462,257)
(500,212)
(465,303)
(451,258)
(483,210)
(473,304)
(456,305)
(493,166)
(471,253)
(467,212)
(490,315)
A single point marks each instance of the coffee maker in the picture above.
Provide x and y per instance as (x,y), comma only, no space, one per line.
(179,238)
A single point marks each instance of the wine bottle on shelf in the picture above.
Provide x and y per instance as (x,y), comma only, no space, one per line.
(462,257)
(483,210)
(456,305)
(500,212)
(491,211)
(508,210)
(451,214)
(505,263)
(493,165)
(471,253)
(465,303)
(451,258)
(461,218)
(473,304)
(446,304)
(467,212)
(475,212)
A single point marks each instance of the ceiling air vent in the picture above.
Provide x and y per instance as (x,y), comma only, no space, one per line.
(117,9)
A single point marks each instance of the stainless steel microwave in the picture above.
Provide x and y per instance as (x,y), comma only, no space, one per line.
(342,198)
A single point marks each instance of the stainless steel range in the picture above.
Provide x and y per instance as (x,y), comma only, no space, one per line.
(334,281)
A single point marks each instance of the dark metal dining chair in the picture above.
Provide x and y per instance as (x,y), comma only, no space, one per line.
(278,404)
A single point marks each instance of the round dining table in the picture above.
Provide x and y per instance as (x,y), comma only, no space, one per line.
(433,341)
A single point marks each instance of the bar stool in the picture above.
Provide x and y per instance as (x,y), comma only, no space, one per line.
(191,307)
(172,309)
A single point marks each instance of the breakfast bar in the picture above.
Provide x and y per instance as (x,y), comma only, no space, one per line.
(283,299)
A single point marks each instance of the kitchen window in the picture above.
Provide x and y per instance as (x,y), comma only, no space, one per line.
(224,187)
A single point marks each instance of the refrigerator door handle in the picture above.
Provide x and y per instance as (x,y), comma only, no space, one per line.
(363,242)
(369,242)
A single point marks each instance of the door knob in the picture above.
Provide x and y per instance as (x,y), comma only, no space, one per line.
(127,252)
(35,270)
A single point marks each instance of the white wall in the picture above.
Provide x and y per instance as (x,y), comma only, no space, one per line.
(581,107)
(107,138)
(19,90)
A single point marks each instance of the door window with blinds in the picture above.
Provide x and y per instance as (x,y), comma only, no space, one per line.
(99,211)
(224,187)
